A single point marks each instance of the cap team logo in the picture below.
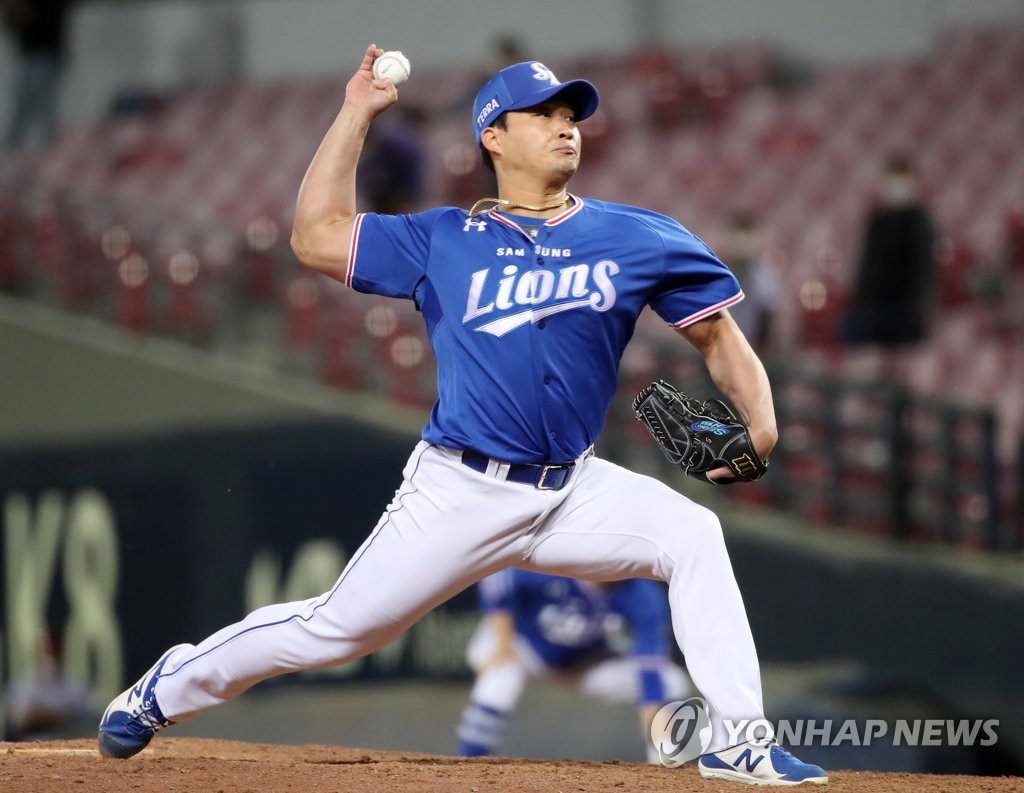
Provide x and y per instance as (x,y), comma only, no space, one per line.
(681,731)
(542,72)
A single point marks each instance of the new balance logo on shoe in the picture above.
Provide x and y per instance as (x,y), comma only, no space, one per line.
(748,759)
(760,762)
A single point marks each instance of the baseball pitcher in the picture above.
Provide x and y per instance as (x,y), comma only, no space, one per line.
(529,299)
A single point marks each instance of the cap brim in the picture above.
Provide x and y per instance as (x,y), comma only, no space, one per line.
(581,95)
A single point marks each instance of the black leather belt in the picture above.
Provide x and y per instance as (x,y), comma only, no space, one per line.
(542,477)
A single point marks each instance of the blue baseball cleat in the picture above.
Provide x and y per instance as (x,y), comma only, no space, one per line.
(133,718)
(760,762)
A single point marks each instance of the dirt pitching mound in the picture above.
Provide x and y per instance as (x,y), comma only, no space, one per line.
(183,765)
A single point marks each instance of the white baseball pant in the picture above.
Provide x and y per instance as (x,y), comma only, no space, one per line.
(449,526)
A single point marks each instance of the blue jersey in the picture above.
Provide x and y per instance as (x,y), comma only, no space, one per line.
(510,317)
(569,622)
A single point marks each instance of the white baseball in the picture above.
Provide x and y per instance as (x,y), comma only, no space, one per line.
(392,64)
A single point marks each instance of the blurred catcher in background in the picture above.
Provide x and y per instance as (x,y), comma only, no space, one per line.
(606,640)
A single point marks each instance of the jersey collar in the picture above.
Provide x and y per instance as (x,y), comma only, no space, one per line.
(577,205)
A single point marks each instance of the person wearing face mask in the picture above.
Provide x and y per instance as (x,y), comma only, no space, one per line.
(744,253)
(38,31)
(895,283)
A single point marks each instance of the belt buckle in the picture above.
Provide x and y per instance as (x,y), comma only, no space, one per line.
(542,482)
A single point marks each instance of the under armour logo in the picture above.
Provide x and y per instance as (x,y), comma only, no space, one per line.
(479,225)
(542,72)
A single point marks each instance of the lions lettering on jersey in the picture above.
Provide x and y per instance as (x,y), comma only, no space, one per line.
(572,287)
(509,316)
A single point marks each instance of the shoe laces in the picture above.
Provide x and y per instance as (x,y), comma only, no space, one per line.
(147,719)
(768,743)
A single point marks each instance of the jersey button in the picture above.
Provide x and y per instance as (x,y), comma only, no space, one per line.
(540,261)
(552,435)
(547,380)
(541,324)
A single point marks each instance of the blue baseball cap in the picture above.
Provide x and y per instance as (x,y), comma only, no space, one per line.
(524,85)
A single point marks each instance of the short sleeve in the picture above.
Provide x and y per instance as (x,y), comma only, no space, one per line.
(695,283)
(388,253)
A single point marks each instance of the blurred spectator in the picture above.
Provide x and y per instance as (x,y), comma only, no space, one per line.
(896,279)
(47,705)
(743,251)
(37,29)
(506,49)
(391,170)
(607,640)
(1015,237)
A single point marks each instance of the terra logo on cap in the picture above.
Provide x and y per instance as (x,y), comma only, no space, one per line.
(524,85)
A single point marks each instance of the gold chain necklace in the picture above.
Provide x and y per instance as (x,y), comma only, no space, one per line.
(506,204)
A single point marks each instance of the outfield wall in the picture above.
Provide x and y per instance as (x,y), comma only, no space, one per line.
(125,547)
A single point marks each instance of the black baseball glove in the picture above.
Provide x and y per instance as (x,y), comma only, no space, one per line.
(698,435)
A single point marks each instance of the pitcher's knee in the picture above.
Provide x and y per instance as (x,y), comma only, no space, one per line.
(700,526)
(710,527)
(693,537)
